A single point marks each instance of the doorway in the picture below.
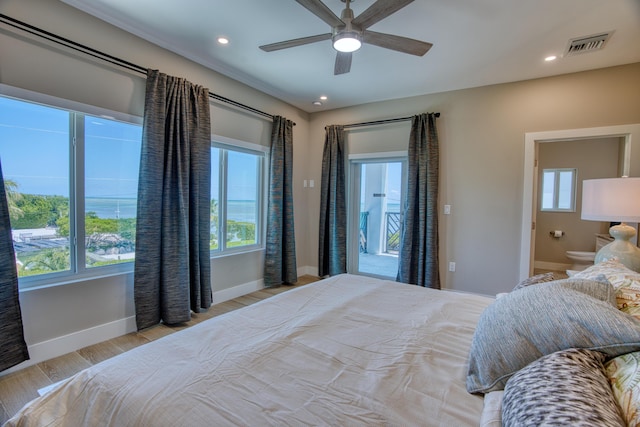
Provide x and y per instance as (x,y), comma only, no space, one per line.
(376,195)
(584,159)
(625,132)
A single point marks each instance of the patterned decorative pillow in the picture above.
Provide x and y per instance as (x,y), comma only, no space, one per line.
(566,388)
(533,280)
(610,265)
(624,376)
(538,320)
(626,282)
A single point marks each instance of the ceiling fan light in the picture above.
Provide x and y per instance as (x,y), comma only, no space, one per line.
(348,41)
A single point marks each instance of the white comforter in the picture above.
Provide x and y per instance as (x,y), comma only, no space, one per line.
(345,351)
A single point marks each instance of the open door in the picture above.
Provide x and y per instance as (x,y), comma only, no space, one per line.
(376,195)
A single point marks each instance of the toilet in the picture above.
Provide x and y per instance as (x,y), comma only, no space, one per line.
(581,260)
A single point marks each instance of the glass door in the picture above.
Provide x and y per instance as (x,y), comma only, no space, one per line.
(376,196)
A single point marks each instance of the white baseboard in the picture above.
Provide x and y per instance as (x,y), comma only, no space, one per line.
(45,350)
(308,271)
(237,291)
(553,266)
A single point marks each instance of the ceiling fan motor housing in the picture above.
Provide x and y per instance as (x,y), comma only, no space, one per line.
(347,37)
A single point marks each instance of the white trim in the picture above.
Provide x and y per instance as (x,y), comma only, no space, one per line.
(55,347)
(237,291)
(59,346)
(553,266)
(69,278)
(238,143)
(382,155)
(530,140)
(308,271)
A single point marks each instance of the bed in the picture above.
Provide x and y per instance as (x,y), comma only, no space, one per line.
(356,351)
(347,350)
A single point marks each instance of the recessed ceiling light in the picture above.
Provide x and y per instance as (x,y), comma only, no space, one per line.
(317,103)
(550,58)
(323,97)
(223,40)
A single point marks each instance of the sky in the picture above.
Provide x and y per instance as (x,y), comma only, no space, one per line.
(34,151)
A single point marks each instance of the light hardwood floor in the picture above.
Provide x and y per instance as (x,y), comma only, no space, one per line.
(20,387)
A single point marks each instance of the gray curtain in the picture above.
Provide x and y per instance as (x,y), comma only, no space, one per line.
(418,256)
(13,348)
(172,274)
(332,250)
(280,255)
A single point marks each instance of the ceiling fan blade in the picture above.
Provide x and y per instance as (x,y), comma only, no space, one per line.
(322,11)
(343,63)
(378,11)
(295,42)
(401,44)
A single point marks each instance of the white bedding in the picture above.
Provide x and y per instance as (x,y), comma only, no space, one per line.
(348,351)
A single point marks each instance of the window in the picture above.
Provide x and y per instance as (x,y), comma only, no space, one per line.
(558,190)
(236,197)
(71,180)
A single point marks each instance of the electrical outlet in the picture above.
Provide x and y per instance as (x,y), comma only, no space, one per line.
(452,266)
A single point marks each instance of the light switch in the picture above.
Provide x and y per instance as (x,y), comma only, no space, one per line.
(447,209)
(311,183)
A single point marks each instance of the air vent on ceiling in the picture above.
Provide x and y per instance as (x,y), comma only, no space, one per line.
(587,44)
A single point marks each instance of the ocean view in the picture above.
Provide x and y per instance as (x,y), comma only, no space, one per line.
(111,207)
(391,207)
(237,210)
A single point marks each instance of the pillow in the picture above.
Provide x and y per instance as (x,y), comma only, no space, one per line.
(538,320)
(610,266)
(625,281)
(534,280)
(628,300)
(492,410)
(624,377)
(564,388)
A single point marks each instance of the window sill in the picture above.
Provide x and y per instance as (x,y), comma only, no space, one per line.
(44,283)
(229,253)
(62,281)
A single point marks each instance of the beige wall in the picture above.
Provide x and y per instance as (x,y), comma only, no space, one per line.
(481,133)
(482,145)
(592,158)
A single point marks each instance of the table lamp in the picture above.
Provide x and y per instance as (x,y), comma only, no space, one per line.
(614,200)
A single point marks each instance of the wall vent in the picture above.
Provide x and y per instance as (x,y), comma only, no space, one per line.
(587,44)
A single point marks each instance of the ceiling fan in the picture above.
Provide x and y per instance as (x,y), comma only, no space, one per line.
(348,33)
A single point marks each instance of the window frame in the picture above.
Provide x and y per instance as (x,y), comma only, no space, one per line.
(556,189)
(77,112)
(227,144)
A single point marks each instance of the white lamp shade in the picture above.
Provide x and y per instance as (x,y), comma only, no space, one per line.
(611,199)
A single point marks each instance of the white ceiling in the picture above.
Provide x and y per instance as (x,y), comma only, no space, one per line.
(476,43)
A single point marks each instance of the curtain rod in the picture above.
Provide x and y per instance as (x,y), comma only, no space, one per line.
(379,122)
(23,26)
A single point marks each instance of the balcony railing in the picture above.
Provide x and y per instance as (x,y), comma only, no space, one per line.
(362,237)
(392,227)
(391,233)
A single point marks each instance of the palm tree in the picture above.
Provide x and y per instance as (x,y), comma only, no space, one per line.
(13,196)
